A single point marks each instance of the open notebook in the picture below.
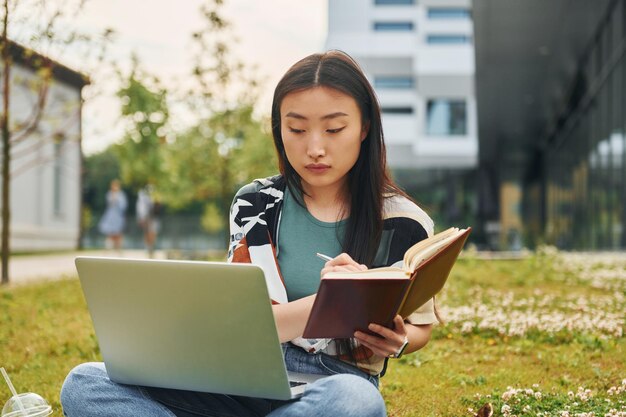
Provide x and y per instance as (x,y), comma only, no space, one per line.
(349,301)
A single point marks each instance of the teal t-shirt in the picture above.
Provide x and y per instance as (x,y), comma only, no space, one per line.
(300,237)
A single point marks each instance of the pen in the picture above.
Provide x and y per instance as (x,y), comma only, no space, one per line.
(324,257)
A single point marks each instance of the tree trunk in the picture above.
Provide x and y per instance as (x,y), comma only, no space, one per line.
(6,150)
(6,184)
(81,179)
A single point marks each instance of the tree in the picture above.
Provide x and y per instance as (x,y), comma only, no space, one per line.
(45,29)
(228,145)
(145,111)
(211,160)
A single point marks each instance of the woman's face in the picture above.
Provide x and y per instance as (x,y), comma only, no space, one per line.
(322,132)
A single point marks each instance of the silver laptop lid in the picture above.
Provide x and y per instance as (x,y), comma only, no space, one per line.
(199,326)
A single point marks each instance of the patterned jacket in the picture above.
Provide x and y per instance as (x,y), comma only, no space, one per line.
(254,226)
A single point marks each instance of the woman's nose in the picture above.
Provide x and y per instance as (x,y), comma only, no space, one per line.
(316,148)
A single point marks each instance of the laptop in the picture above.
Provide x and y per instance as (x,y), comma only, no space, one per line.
(197,326)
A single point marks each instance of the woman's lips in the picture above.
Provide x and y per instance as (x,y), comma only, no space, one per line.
(318,168)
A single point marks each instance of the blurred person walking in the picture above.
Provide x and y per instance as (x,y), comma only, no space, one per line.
(113,220)
(148,209)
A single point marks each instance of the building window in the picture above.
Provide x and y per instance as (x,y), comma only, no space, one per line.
(57,177)
(394,2)
(449,13)
(397,110)
(393,82)
(446,117)
(393,26)
(448,39)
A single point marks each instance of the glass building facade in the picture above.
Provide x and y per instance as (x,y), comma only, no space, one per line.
(581,176)
(551,95)
(446,117)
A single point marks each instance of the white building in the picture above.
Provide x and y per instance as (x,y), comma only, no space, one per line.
(419,55)
(46,162)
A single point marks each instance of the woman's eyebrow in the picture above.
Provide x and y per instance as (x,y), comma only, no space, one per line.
(325,117)
(333,115)
(295,115)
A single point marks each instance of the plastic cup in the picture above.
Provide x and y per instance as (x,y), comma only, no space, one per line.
(28,404)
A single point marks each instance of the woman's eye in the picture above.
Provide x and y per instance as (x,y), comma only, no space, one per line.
(292,130)
(335,130)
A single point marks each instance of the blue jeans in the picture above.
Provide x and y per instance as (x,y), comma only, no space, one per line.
(88,391)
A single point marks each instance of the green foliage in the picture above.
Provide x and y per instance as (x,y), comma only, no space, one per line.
(217,155)
(210,161)
(227,146)
(146,113)
(224,147)
(221,80)
(212,219)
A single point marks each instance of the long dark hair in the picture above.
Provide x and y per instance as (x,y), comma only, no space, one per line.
(368,180)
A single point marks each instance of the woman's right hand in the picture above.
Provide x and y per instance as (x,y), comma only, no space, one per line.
(292,317)
(342,263)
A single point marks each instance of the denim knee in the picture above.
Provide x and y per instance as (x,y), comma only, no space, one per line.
(82,381)
(352,395)
(88,392)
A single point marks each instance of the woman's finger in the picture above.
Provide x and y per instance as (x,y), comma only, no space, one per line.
(341,268)
(389,340)
(399,326)
(351,268)
(397,333)
(375,349)
(341,260)
(342,263)
(382,347)
(372,340)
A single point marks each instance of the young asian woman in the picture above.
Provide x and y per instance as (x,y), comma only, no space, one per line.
(333,195)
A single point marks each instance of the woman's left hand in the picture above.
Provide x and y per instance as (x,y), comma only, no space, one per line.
(390,341)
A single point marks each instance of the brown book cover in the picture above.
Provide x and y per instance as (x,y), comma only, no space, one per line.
(347,302)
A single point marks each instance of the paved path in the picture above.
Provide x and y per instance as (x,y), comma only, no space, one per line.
(29,268)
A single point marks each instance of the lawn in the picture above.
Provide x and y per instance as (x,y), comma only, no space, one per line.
(538,336)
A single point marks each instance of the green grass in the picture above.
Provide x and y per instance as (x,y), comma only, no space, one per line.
(45,331)
(460,370)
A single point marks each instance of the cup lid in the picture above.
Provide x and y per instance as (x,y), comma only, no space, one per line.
(33,406)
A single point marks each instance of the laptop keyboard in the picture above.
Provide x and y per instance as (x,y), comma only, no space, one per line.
(296,383)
